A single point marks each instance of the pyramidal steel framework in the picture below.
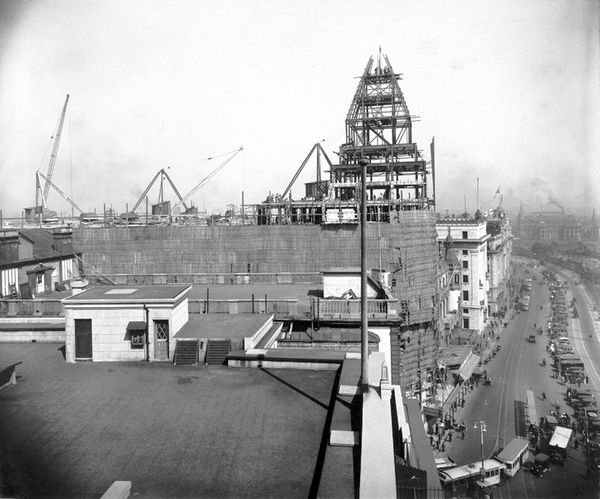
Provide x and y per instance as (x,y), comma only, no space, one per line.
(378,129)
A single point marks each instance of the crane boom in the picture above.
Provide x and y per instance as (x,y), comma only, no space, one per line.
(67,198)
(54,153)
(207,179)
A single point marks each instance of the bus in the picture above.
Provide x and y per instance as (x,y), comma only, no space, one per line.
(467,478)
(514,455)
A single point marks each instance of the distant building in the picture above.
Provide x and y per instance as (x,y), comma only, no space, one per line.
(37,261)
(549,226)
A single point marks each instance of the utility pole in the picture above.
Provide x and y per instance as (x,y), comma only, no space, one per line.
(364,335)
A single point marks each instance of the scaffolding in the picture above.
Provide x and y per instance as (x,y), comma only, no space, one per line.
(379,129)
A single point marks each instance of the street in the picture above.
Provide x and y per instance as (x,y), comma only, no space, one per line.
(514,399)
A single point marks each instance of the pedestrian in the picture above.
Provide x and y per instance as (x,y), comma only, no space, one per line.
(586,380)
(543,395)
(463,433)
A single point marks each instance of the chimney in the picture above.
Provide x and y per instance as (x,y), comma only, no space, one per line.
(63,240)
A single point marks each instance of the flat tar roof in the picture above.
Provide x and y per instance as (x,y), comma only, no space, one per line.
(161,292)
(204,326)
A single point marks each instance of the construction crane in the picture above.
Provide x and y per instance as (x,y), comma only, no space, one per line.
(163,174)
(53,154)
(206,179)
(67,198)
(317,147)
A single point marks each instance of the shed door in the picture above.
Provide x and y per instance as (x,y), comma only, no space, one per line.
(83,338)
(161,345)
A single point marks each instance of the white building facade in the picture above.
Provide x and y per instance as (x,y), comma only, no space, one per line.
(470,240)
(114,323)
(499,255)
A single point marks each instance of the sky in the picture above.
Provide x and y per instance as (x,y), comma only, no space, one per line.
(510,89)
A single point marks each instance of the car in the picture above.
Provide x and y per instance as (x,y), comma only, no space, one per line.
(539,469)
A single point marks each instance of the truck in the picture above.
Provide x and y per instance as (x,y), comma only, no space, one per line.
(560,443)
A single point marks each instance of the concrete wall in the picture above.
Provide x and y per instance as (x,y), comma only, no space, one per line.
(335,285)
(32,336)
(109,332)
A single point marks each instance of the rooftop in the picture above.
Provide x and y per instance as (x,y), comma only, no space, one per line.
(70,430)
(127,294)
(206,326)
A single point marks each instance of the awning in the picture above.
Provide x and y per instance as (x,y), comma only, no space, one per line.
(136,326)
(468,366)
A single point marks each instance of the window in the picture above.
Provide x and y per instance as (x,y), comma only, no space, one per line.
(137,339)
(466,279)
(465,264)
(466,311)
(466,322)
(456,279)
(465,252)
(465,234)
(465,295)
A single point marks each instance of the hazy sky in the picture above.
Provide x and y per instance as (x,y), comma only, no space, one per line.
(509,89)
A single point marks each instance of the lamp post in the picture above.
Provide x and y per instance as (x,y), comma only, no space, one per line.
(482,428)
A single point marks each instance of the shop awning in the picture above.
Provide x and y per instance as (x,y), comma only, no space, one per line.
(468,366)
(136,326)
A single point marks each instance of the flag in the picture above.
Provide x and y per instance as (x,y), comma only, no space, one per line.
(497,192)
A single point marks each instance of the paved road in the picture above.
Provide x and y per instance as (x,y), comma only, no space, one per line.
(515,398)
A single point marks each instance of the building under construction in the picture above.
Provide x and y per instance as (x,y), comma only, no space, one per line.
(379,130)
(294,240)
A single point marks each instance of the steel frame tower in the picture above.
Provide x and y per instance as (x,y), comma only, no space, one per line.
(379,129)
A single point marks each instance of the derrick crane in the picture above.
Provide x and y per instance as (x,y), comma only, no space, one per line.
(67,198)
(163,174)
(206,179)
(54,153)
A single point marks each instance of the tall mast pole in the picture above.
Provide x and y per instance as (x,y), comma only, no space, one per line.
(364,333)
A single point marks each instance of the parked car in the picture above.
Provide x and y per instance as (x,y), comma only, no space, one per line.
(539,470)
